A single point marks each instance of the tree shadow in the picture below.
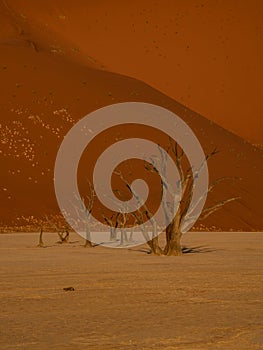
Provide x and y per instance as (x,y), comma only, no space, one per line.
(141,250)
(197,249)
(185,250)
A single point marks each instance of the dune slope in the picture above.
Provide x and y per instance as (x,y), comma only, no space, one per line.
(206,55)
(45,91)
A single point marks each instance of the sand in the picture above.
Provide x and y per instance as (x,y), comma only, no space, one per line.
(205,54)
(126,299)
(49,82)
(58,62)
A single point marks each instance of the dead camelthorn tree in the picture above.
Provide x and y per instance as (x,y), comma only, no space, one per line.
(43,225)
(119,220)
(51,224)
(41,242)
(135,223)
(88,210)
(86,205)
(113,224)
(140,216)
(62,230)
(63,235)
(122,219)
(182,216)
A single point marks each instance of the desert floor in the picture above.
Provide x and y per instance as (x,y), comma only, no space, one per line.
(126,299)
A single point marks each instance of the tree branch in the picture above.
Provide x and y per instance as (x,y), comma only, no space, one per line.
(210,210)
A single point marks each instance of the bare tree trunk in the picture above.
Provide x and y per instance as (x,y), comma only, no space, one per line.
(154,242)
(113,234)
(131,234)
(88,243)
(124,237)
(174,247)
(154,245)
(41,243)
(173,240)
(66,238)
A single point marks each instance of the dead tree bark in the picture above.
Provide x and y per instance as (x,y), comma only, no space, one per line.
(113,226)
(113,233)
(88,243)
(41,242)
(173,240)
(86,210)
(63,236)
(121,219)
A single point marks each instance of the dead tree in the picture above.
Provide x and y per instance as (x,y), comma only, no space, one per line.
(135,223)
(119,221)
(62,230)
(86,209)
(140,216)
(44,226)
(122,219)
(41,242)
(113,226)
(173,230)
(63,236)
(53,223)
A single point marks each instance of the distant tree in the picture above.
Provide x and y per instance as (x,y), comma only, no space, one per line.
(86,205)
(113,225)
(53,223)
(41,242)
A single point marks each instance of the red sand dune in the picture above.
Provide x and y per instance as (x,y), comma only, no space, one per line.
(47,85)
(207,55)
